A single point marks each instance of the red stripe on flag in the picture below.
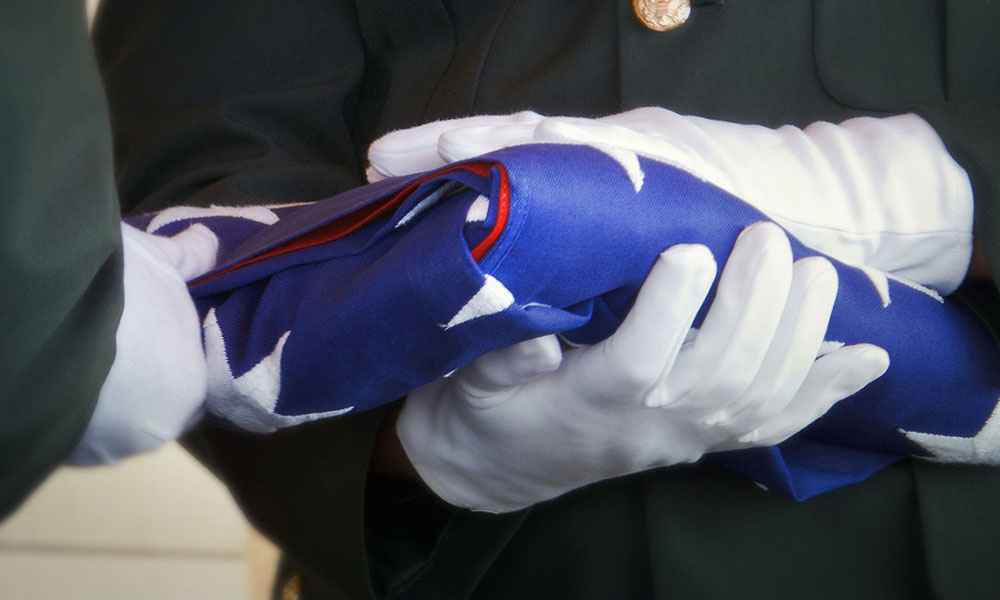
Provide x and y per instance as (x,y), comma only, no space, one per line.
(503,209)
(350,223)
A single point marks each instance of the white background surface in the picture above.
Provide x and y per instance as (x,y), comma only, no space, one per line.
(156,527)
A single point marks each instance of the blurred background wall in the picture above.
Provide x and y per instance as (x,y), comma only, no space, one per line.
(155,527)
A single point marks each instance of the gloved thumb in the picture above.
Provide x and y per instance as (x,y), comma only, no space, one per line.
(192,251)
(482,380)
(415,150)
(468,142)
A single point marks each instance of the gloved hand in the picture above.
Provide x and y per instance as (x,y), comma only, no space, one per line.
(881,193)
(528,423)
(415,150)
(157,384)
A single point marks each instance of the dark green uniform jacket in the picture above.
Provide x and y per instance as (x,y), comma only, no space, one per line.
(61,293)
(264,101)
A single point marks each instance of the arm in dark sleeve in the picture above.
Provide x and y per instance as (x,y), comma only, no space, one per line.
(235,102)
(61,297)
(971,131)
(230,102)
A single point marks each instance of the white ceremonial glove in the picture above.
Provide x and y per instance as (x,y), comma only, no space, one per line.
(881,193)
(157,384)
(528,423)
(415,150)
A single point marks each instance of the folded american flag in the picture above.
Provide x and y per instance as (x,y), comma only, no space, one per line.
(349,303)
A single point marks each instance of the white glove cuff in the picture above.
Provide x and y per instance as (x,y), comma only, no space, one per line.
(441,454)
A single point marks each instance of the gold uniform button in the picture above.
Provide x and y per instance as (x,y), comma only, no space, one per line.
(662,15)
(292,590)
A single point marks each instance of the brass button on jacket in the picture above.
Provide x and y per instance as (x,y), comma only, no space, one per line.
(662,15)
(292,590)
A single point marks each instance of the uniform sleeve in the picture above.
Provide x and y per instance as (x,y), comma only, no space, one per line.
(237,102)
(59,240)
(971,131)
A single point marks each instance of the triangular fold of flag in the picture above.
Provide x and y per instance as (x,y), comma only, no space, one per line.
(384,288)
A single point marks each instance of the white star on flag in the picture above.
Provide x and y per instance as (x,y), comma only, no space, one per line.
(249,401)
(479,210)
(259,214)
(880,281)
(628,160)
(624,146)
(491,298)
(982,448)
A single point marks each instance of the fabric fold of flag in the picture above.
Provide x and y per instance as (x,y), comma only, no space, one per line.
(351,302)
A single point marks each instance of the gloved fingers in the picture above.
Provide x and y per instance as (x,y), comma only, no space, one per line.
(157,384)
(469,142)
(696,133)
(646,118)
(189,254)
(566,130)
(193,251)
(718,367)
(627,364)
(481,380)
(795,345)
(406,151)
(415,150)
(833,377)
(661,124)
(708,137)
(372,175)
